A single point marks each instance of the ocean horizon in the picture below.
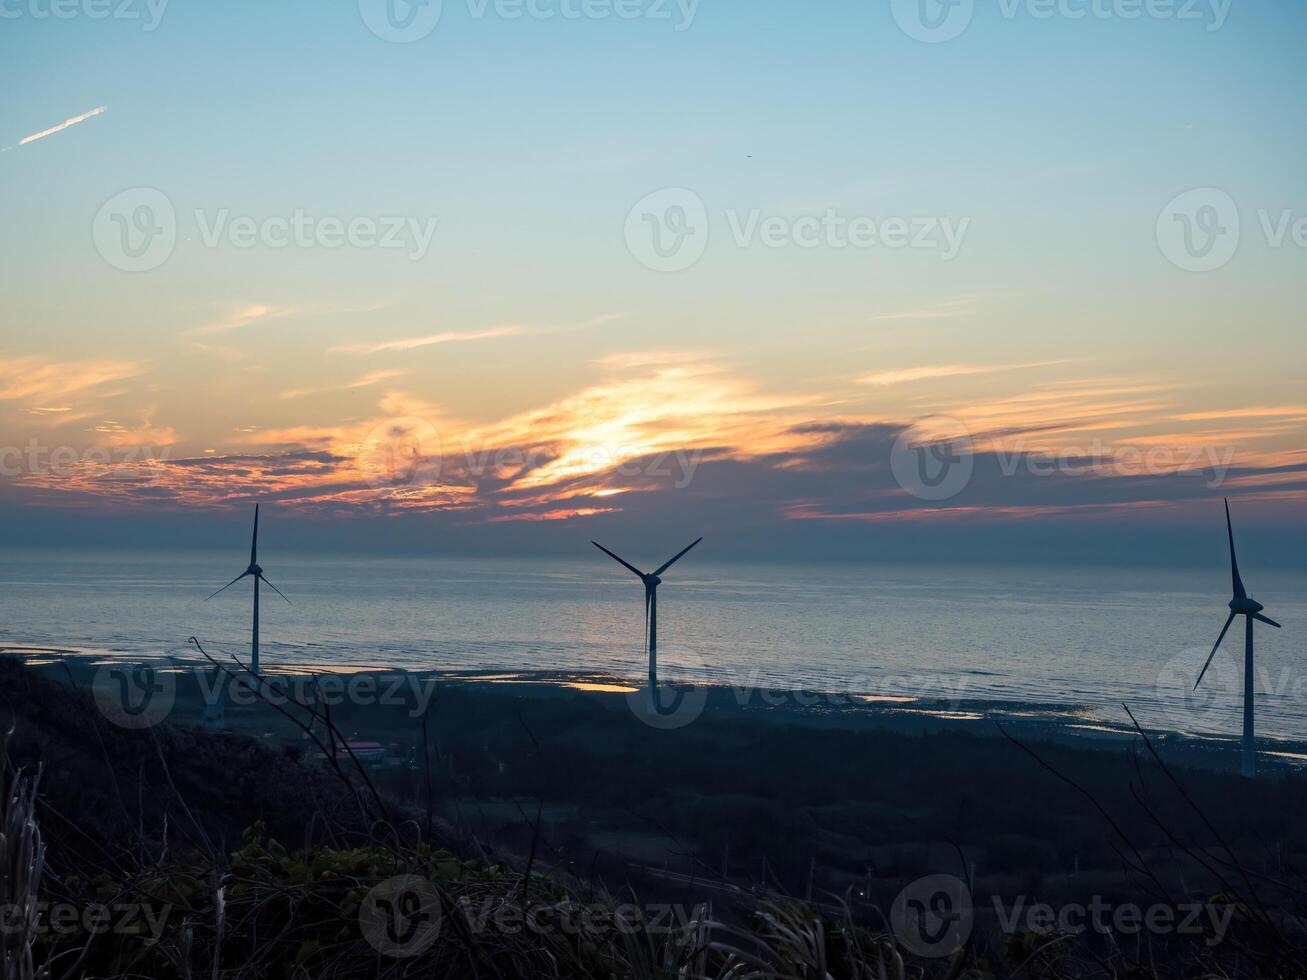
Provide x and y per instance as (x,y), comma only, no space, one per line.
(1054,634)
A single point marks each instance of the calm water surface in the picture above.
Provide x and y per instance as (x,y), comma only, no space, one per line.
(1096,636)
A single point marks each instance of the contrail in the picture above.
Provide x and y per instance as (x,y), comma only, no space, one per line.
(60,128)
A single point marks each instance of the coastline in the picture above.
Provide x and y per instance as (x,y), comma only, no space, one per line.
(1079,726)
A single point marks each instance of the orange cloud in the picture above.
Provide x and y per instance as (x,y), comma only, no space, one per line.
(33,379)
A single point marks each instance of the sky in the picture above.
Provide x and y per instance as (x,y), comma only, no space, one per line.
(488,275)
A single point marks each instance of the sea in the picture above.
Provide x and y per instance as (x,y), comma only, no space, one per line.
(1096,637)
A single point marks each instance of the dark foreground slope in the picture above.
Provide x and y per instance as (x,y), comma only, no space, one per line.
(565,838)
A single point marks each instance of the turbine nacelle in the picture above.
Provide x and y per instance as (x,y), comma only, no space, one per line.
(652,580)
(1245,606)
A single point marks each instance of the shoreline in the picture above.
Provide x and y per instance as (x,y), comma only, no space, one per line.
(1080,726)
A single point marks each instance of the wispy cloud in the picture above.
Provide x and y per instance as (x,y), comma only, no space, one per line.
(465,336)
(413,343)
(245,316)
(372,378)
(1296,412)
(927,372)
(658,358)
(255,313)
(364,381)
(936,311)
(35,380)
(62,126)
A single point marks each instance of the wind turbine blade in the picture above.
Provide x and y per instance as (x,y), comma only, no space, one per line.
(1266,619)
(675,558)
(254,542)
(1239,592)
(265,581)
(1224,629)
(228,585)
(615,558)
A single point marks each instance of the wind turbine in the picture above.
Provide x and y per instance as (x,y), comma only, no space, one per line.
(651,582)
(256,573)
(1250,609)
